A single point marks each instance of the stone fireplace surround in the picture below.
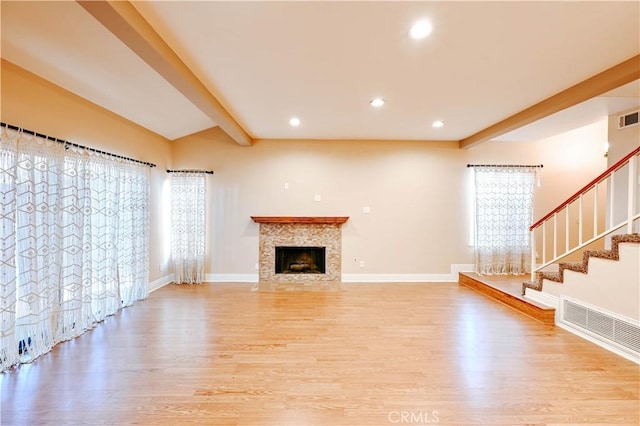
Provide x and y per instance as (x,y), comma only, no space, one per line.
(320,231)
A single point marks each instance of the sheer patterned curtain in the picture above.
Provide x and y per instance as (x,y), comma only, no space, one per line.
(504,208)
(70,255)
(133,233)
(8,279)
(188,211)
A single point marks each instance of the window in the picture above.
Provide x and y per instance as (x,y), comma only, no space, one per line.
(74,242)
(188,212)
(503,212)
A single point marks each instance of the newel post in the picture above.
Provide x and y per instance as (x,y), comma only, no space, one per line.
(532,243)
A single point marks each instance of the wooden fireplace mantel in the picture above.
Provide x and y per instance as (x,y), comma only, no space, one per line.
(317,220)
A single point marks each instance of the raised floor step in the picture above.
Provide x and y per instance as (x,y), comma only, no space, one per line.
(506,290)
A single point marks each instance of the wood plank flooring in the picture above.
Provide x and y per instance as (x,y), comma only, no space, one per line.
(372,354)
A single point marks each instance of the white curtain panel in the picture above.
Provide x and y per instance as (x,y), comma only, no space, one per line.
(188,211)
(73,239)
(504,208)
(133,233)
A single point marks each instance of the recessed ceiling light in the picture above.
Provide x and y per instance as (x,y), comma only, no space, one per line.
(377,102)
(421,29)
(295,121)
(438,123)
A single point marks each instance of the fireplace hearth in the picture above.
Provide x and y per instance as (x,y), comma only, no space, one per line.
(300,260)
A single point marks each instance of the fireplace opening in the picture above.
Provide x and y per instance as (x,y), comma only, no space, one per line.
(300,260)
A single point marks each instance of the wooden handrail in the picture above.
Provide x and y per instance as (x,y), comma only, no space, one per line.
(588,186)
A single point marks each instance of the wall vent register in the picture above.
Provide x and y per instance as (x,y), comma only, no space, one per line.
(618,332)
(628,120)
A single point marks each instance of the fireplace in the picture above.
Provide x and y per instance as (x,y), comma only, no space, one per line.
(300,249)
(300,260)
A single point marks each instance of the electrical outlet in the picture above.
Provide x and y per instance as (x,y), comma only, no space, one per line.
(317,198)
(362,263)
(256,266)
(366,210)
(286,185)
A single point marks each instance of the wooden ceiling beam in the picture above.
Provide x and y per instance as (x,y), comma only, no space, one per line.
(610,79)
(123,20)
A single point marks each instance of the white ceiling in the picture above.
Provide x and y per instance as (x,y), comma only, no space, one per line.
(324,61)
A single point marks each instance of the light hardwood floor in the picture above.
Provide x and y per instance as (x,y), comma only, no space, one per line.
(373,354)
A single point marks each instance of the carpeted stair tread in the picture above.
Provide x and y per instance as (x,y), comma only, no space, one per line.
(533,285)
(551,276)
(601,254)
(574,266)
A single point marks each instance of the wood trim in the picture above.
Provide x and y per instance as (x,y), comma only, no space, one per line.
(445,143)
(123,20)
(603,82)
(317,220)
(531,309)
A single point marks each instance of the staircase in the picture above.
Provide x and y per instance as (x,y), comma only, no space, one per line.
(583,266)
(511,292)
(601,305)
(607,205)
(580,221)
(598,299)
(574,226)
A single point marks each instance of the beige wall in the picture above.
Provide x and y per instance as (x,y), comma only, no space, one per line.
(623,141)
(417,193)
(610,285)
(35,104)
(570,161)
(409,216)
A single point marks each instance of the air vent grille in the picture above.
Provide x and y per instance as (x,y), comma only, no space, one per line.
(628,120)
(603,326)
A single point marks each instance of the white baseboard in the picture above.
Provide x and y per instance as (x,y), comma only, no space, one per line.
(598,342)
(409,278)
(160,282)
(543,298)
(231,278)
(362,278)
(461,267)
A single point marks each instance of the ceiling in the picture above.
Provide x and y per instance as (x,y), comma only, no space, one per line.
(251,66)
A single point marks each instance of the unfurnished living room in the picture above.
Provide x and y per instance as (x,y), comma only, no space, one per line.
(319,213)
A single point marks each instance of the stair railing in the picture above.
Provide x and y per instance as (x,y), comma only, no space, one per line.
(578,221)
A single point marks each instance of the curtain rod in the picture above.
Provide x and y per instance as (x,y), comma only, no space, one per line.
(539,166)
(208,172)
(67,144)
